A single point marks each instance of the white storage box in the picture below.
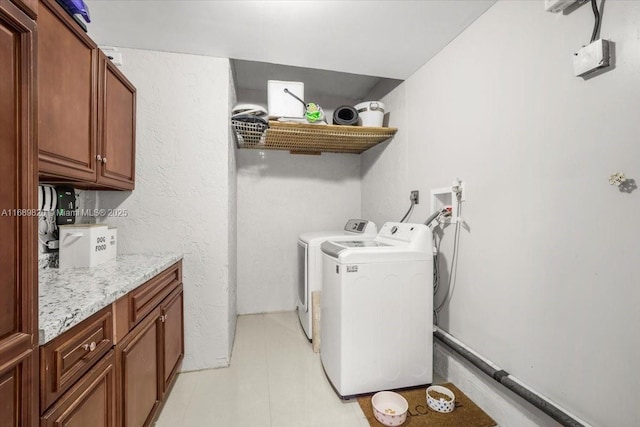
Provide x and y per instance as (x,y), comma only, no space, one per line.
(112,242)
(83,245)
(370,113)
(280,103)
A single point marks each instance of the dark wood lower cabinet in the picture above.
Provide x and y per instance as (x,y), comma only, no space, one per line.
(138,358)
(90,402)
(16,405)
(172,327)
(148,360)
(87,381)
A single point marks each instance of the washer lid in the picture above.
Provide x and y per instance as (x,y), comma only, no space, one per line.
(334,248)
(353,229)
(370,251)
(362,244)
(312,236)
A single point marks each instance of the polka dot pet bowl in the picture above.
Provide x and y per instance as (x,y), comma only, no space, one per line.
(440,399)
(389,408)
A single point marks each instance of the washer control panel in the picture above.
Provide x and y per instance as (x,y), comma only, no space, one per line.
(401,231)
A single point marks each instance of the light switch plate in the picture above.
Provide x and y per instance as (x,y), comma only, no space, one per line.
(591,58)
(113,54)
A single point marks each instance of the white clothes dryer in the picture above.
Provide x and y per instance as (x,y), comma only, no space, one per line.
(377,310)
(310,263)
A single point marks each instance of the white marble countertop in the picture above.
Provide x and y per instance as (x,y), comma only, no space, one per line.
(68,296)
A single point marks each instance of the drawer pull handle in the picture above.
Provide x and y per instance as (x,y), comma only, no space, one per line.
(163,318)
(90,347)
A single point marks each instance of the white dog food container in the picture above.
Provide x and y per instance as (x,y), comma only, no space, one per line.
(83,245)
(112,242)
(282,104)
(370,113)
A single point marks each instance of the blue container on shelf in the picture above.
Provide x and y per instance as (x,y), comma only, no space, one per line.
(77,9)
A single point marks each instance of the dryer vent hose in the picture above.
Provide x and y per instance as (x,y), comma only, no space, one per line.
(345,115)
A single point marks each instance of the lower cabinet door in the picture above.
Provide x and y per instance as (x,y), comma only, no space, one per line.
(139,386)
(18,406)
(173,336)
(90,402)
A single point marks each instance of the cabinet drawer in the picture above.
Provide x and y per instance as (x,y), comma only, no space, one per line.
(66,358)
(91,402)
(147,297)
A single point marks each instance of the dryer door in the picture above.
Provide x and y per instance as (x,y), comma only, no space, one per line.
(302,277)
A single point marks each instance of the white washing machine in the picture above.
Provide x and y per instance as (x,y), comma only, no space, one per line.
(377,310)
(310,263)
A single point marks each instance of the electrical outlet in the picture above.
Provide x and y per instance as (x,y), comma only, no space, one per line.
(415,197)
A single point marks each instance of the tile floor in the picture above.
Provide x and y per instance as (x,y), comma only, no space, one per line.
(275,380)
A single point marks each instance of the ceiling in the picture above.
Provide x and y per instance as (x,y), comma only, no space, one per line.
(389,39)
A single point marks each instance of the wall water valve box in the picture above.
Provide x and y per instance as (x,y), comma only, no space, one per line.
(591,58)
(83,245)
(282,104)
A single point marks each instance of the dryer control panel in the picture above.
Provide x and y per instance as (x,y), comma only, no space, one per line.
(360,226)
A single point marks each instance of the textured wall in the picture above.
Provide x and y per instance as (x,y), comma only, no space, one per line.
(281,196)
(545,284)
(184,195)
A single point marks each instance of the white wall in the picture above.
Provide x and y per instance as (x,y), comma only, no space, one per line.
(281,196)
(232,235)
(546,279)
(184,195)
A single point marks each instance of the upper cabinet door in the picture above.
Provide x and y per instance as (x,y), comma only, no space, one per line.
(67,102)
(30,7)
(117,127)
(18,200)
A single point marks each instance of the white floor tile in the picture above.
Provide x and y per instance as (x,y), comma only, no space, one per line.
(274,380)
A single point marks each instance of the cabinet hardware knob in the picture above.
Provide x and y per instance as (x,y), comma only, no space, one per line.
(104,160)
(99,157)
(90,347)
(163,318)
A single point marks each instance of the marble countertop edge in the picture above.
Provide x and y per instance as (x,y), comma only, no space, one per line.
(69,296)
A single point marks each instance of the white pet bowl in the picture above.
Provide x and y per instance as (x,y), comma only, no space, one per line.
(441,405)
(389,408)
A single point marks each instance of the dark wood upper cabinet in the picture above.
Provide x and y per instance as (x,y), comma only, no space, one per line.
(86,107)
(30,7)
(18,251)
(117,127)
(67,96)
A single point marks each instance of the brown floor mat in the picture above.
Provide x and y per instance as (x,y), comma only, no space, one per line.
(465,414)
